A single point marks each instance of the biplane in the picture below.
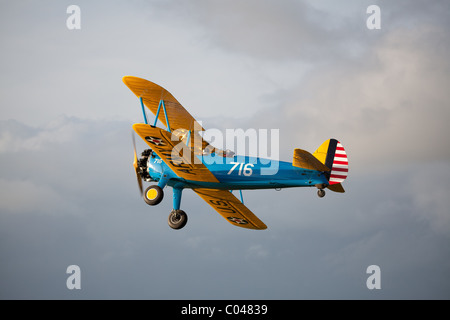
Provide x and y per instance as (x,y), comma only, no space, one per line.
(180,158)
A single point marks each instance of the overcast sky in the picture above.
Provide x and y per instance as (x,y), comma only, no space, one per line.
(311,69)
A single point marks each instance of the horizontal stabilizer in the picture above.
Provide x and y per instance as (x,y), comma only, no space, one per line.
(337,187)
(304,159)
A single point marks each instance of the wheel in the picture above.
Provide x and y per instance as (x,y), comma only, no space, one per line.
(177,219)
(153,195)
(321,193)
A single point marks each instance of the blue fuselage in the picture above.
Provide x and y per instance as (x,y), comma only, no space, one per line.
(240,173)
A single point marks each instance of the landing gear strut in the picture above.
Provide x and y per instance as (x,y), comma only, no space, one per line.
(177,218)
(154,194)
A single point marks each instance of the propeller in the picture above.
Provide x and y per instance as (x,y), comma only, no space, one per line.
(136,166)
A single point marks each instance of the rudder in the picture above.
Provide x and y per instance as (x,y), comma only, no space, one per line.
(332,154)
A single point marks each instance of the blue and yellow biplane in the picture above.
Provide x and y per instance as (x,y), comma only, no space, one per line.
(178,157)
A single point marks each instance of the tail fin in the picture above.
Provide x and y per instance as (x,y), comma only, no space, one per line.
(332,154)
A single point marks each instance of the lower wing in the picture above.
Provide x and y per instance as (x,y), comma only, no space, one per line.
(180,160)
(236,213)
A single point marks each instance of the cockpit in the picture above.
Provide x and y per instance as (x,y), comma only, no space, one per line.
(199,146)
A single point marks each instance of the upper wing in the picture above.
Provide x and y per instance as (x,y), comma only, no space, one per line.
(180,120)
(181,160)
(151,94)
(231,208)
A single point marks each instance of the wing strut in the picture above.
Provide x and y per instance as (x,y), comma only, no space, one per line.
(161,103)
(143,110)
(240,192)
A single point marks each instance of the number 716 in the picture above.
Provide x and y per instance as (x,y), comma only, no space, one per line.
(245,169)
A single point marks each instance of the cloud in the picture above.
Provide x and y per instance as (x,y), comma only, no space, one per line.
(16,136)
(84,209)
(257,252)
(385,99)
(389,103)
(263,30)
(429,187)
(20,196)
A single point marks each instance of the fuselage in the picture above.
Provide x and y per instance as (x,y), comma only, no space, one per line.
(240,173)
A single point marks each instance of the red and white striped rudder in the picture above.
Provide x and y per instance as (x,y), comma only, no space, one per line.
(332,154)
(339,166)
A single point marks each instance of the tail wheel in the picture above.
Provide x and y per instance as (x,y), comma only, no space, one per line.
(177,219)
(321,193)
(153,195)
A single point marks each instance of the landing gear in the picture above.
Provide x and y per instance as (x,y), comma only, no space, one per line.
(153,195)
(321,193)
(177,219)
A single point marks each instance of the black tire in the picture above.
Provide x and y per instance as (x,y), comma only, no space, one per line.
(321,193)
(177,219)
(153,195)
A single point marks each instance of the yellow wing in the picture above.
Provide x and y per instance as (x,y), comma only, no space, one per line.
(231,208)
(152,94)
(182,161)
(180,120)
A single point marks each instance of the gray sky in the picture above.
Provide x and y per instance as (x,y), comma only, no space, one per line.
(309,68)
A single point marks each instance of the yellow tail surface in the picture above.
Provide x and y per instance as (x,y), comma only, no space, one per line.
(304,159)
(332,154)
